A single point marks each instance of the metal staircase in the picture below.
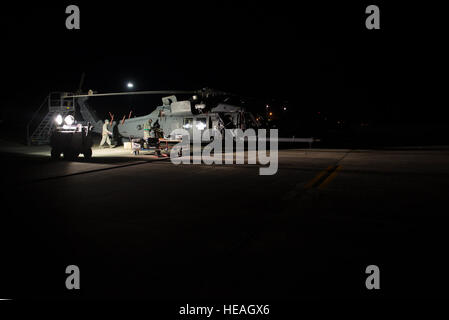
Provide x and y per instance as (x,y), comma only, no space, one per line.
(89,115)
(42,133)
(38,132)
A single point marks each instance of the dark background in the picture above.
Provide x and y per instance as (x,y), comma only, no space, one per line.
(337,79)
(384,86)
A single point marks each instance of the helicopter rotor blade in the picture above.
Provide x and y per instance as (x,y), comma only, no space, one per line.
(155,92)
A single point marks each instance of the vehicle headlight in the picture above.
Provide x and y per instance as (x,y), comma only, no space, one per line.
(58,119)
(69,120)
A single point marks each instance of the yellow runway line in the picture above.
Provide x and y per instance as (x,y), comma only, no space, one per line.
(317,178)
(330,178)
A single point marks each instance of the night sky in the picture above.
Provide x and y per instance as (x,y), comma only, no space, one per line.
(313,58)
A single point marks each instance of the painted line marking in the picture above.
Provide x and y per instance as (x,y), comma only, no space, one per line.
(315,181)
(331,177)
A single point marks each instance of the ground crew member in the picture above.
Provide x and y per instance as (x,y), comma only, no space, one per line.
(147,129)
(105,135)
(157,130)
(115,139)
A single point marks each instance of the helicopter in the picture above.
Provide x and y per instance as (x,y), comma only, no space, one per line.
(205,109)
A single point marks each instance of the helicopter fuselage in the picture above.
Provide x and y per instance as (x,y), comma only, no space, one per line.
(178,115)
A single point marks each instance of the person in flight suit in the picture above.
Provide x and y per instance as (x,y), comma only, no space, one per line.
(105,135)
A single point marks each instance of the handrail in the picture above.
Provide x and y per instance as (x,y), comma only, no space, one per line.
(33,117)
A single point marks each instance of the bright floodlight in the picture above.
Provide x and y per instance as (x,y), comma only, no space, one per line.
(200,125)
(58,119)
(130,85)
(69,120)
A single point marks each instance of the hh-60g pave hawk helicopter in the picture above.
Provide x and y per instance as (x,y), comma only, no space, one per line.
(206,109)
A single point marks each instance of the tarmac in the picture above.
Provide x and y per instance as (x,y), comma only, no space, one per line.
(142,227)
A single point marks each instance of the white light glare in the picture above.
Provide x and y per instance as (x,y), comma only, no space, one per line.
(130,85)
(69,120)
(200,125)
(58,119)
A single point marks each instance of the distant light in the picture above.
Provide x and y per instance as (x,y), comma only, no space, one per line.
(130,85)
(69,120)
(267,106)
(271,113)
(58,119)
(285,108)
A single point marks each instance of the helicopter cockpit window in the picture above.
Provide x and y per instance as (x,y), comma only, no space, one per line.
(188,122)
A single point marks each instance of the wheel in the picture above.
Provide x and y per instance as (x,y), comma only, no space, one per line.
(87,154)
(55,154)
